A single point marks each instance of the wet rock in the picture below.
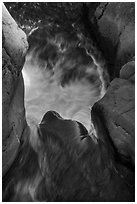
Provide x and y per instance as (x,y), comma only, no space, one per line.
(116,111)
(13,55)
(128,71)
(116,32)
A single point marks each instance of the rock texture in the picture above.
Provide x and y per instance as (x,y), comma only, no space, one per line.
(115,27)
(116,111)
(128,71)
(14,47)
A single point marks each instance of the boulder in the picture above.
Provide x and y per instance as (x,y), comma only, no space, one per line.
(14,47)
(116,33)
(128,71)
(116,111)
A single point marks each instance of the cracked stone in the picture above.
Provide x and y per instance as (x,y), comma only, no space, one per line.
(116,111)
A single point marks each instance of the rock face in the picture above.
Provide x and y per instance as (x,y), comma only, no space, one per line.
(116,33)
(113,116)
(14,47)
(128,71)
(116,111)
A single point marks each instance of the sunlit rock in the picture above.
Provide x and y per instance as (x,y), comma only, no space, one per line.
(13,56)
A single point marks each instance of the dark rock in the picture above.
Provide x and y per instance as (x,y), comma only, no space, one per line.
(128,71)
(116,111)
(116,33)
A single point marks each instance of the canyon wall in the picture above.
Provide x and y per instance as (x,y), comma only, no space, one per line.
(113,25)
(116,110)
(14,47)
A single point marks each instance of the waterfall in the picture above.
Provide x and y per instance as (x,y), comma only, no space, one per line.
(65,79)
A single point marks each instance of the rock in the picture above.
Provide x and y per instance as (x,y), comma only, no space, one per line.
(15,126)
(116,111)
(13,55)
(116,32)
(128,71)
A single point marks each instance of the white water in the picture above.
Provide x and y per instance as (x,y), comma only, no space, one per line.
(43,93)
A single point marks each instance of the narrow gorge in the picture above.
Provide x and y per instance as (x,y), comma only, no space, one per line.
(68,102)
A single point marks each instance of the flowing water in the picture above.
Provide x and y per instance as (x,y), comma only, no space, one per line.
(65,79)
(65,76)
